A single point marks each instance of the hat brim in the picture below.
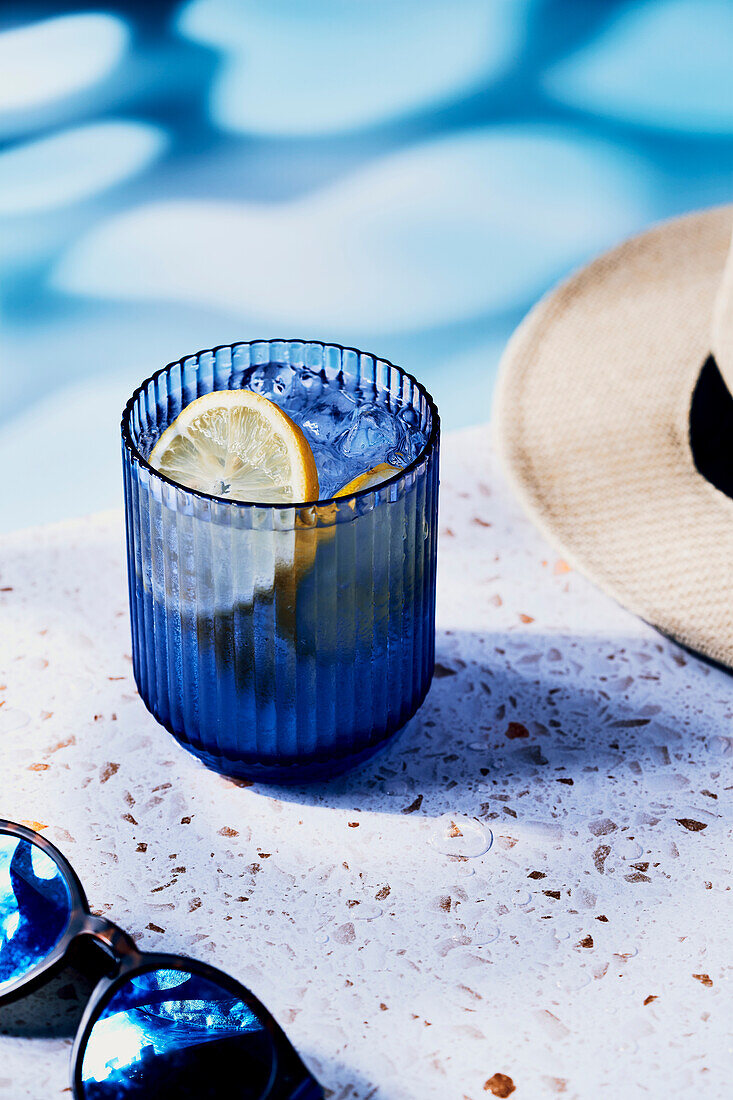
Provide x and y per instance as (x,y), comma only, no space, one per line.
(592,424)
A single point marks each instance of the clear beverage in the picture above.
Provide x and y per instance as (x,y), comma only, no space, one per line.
(276,641)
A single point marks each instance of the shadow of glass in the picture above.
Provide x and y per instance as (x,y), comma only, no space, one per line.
(569,722)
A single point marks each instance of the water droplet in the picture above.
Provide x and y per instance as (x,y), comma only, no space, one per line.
(570,982)
(628,848)
(320,936)
(719,746)
(465,870)
(522,898)
(627,952)
(365,910)
(628,1046)
(477,746)
(13,719)
(397,787)
(458,835)
(481,934)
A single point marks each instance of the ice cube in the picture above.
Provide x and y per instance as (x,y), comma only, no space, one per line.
(329,416)
(273,380)
(333,470)
(373,432)
(408,449)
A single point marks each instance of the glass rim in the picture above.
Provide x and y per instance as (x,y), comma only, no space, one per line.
(136,456)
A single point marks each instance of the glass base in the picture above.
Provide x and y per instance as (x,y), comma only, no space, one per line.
(292,771)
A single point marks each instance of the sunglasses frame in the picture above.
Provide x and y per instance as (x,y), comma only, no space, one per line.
(289,1078)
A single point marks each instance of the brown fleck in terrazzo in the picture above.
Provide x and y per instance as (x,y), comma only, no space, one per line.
(164,886)
(108,771)
(515,730)
(345,933)
(413,806)
(557,1084)
(652,997)
(65,744)
(600,856)
(500,1084)
(690,824)
(704,978)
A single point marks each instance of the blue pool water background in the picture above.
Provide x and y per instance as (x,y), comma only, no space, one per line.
(406,177)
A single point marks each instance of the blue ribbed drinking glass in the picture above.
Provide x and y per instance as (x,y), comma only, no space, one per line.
(286,642)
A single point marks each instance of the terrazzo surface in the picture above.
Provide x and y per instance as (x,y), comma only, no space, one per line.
(585,952)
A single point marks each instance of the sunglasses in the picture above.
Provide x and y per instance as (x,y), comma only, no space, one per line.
(156,1025)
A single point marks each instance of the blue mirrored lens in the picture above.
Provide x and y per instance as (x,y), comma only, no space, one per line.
(35,906)
(175,1034)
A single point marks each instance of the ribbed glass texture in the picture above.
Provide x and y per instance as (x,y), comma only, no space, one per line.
(281,642)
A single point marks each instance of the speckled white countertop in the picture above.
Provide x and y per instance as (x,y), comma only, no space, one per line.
(586,953)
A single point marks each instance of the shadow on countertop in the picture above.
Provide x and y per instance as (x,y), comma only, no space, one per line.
(550,725)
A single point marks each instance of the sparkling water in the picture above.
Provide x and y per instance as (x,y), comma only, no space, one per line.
(351,426)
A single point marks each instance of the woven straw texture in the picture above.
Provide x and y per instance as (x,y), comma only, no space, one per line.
(592,425)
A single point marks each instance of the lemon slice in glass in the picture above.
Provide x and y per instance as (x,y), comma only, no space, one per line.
(370,480)
(238,445)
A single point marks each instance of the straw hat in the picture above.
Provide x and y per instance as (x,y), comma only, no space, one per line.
(615,425)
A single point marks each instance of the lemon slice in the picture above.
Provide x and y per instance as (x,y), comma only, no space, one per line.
(237,444)
(369,480)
